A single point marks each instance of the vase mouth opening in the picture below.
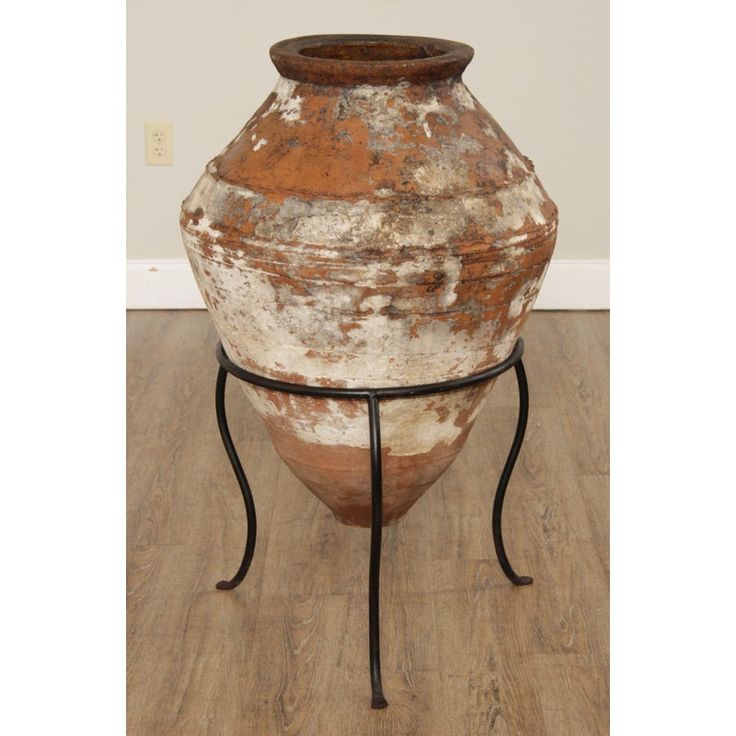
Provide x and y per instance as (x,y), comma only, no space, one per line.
(351,59)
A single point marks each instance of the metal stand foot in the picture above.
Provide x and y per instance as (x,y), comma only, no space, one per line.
(508,468)
(374,638)
(250,507)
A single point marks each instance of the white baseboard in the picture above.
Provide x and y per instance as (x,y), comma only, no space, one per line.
(575,284)
(169,284)
(162,284)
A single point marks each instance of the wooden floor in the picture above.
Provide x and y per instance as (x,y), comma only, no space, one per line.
(464,652)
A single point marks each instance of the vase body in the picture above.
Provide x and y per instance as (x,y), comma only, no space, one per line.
(371,225)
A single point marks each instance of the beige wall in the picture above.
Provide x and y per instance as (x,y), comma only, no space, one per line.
(541,69)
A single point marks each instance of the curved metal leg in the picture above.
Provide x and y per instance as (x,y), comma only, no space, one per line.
(374,639)
(506,475)
(250,508)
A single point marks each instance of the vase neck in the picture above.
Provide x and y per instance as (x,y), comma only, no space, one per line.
(351,60)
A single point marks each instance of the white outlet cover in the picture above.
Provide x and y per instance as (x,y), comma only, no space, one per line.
(159,144)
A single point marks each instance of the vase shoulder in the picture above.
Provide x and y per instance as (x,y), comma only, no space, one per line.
(374,142)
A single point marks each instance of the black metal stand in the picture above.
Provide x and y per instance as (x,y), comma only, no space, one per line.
(373,397)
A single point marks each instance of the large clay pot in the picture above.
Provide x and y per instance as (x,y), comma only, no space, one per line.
(371,225)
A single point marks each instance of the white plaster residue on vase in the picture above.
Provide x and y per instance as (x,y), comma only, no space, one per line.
(478,209)
(205,226)
(527,294)
(520,202)
(201,193)
(312,328)
(512,162)
(378,350)
(286,103)
(386,108)
(517,304)
(331,225)
(408,427)
(373,304)
(433,106)
(261,142)
(444,169)
(332,222)
(452,268)
(354,224)
(462,96)
(503,349)
(212,193)
(370,104)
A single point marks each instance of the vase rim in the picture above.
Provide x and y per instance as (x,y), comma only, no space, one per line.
(355,59)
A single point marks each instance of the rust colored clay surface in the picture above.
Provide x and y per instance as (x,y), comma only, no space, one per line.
(371,225)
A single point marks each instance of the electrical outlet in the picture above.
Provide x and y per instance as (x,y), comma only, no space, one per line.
(159,144)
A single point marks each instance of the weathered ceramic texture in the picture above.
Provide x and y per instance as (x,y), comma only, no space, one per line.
(364,236)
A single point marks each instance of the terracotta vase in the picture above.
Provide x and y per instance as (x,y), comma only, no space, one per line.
(371,225)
